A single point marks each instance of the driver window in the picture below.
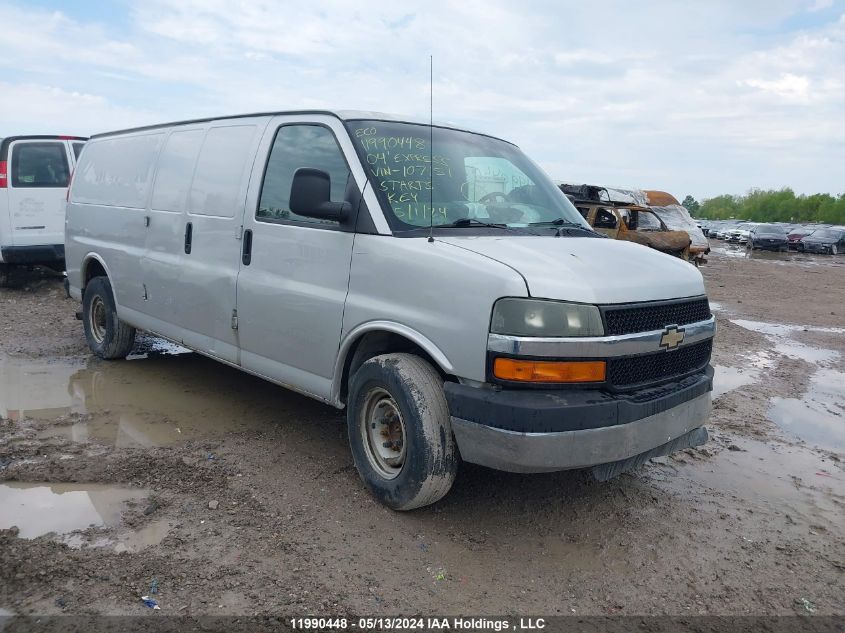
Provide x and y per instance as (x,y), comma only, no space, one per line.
(298,146)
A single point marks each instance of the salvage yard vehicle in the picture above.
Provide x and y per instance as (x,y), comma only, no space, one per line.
(430,280)
(796,235)
(677,218)
(770,237)
(616,214)
(830,241)
(740,233)
(34,175)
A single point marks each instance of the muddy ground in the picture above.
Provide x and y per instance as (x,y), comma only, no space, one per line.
(232,496)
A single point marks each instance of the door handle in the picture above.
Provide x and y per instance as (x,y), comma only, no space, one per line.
(246,256)
(189,237)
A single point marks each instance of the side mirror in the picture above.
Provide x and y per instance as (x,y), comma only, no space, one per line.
(310,196)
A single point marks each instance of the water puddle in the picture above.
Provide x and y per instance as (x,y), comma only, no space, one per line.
(789,479)
(161,397)
(38,509)
(126,541)
(819,417)
(781,335)
(727,379)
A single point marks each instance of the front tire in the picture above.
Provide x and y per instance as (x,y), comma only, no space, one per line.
(400,431)
(108,337)
(834,250)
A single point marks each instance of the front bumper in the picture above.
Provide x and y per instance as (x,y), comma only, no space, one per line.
(810,247)
(540,431)
(766,245)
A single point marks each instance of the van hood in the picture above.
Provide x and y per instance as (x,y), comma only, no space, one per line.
(588,270)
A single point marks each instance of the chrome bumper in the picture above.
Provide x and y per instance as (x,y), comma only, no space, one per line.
(544,452)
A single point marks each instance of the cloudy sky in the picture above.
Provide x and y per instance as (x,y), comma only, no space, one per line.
(696,98)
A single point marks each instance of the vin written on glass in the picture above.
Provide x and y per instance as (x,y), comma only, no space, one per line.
(403,167)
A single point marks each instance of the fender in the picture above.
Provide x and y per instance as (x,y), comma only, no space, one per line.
(383,326)
(86,261)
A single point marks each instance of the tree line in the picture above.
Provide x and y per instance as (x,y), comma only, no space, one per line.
(771,206)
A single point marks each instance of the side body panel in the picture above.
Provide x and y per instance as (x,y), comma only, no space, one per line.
(443,292)
(206,302)
(164,246)
(107,212)
(292,293)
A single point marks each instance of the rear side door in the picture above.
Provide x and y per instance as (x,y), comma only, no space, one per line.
(39,172)
(164,249)
(294,276)
(211,237)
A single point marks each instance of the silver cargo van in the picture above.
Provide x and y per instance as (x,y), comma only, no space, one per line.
(34,175)
(431,280)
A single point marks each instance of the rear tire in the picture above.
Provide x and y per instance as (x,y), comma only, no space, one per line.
(400,431)
(107,336)
(4,275)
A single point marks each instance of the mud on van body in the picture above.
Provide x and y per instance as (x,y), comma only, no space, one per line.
(34,176)
(432,281)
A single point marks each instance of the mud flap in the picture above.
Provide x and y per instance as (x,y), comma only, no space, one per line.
(696,437)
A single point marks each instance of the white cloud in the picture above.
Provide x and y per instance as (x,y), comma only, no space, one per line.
(788,86)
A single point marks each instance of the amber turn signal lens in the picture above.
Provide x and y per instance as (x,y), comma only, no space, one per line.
(549,371)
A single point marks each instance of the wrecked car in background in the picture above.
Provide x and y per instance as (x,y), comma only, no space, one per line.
(618,214)
(677,218)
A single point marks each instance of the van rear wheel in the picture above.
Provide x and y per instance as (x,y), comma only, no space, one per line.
(400,431)
(107,336)
(4,275)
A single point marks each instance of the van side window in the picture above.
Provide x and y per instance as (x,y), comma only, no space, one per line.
(39,165)
(298,146)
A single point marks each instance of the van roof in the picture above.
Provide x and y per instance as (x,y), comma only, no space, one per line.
(343,115)
(5,142)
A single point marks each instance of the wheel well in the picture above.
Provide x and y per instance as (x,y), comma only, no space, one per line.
(92,269)
(374,344)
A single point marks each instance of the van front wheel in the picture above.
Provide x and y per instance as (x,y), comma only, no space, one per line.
(107,336)
(400,431)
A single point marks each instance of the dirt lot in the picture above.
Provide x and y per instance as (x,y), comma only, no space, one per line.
(232,496)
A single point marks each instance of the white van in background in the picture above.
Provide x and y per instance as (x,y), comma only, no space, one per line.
(34,175)
(431,280)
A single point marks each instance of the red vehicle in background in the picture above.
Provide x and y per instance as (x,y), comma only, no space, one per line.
(796,235)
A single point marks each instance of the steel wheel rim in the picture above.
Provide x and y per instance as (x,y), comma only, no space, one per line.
(97,319)
(383,433)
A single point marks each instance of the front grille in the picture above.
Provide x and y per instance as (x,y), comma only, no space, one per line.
(650,368)
(647,317)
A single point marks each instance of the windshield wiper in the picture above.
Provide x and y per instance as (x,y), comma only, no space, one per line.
(466,222)
(563,226)
(557,222)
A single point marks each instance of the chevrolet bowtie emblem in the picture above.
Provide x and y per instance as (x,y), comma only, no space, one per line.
(672,337)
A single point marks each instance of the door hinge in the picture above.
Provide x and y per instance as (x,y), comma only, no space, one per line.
(234,319)
(239,232)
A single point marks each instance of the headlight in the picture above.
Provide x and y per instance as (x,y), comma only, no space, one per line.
(534,317)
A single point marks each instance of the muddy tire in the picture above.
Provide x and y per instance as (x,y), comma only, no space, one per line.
(400,431)
(107,336)
(4,275)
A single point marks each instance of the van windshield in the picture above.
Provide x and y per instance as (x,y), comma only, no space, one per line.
(453,179)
